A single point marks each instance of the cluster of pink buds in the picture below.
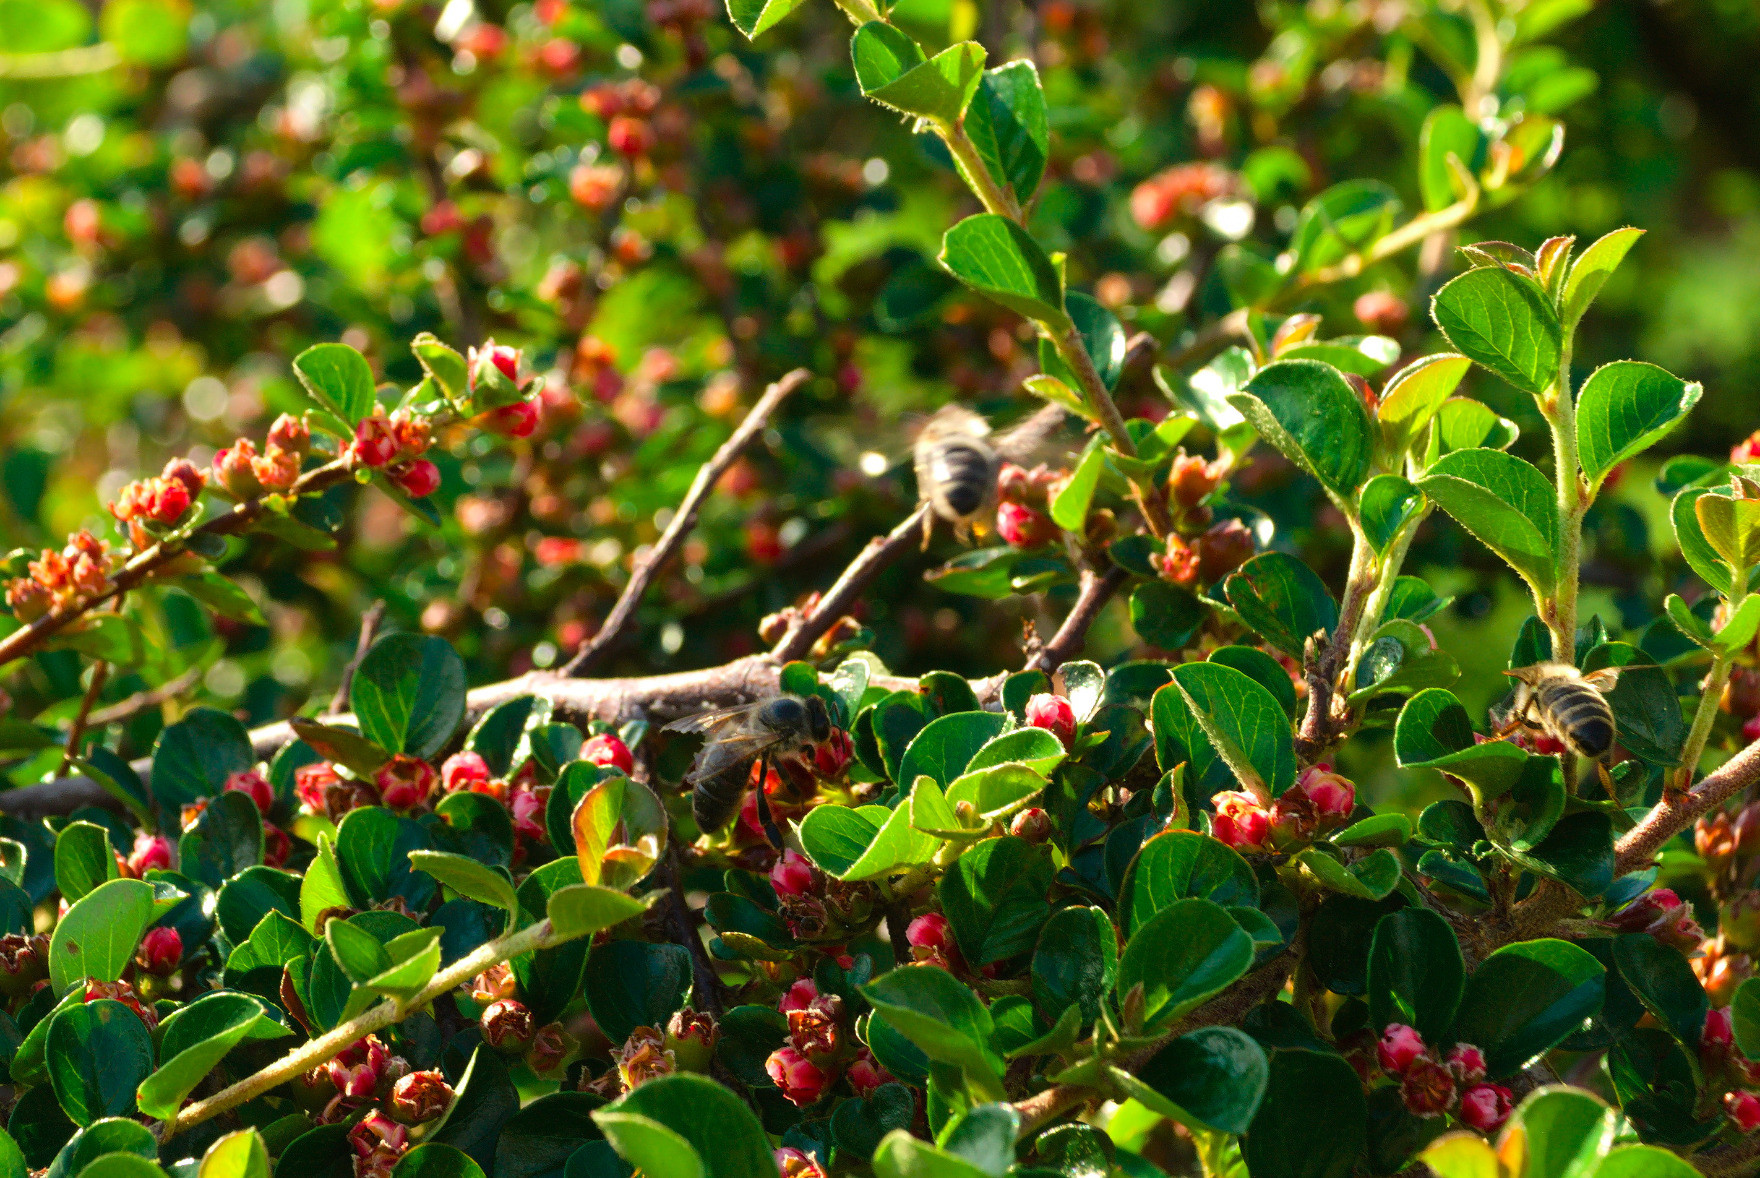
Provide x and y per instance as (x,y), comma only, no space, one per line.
(243,473)
(1054,714)
(161,501)
(1432,1087)
(1179,191)
(494,380)
(379,1143)
(931,939)
(322,790)
(820,1048)
(1320,800)
(61,580)
(395,444)
(405,782)
(1206,558)
(627,108)
(1022,518)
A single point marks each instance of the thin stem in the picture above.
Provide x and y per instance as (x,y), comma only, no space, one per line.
(331,1044)
(1710,697)
(100,675)
(1391,562)
(997,198)
(1489,65)
(1074,353)
(1561,415)
(363,643)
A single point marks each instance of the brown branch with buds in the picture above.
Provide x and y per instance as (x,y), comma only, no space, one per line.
(642,574)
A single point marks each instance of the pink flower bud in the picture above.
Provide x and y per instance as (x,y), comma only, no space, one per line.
(528,804)
(374,443)
(1486,1107)
(1743,1109)
(151,852)
(1333,796)
(608,749)
(1022,527)
(832,755)
(290,434)
(499,357)
(865,1073)
(801,1082)
(124,993)
(419,479)
(1467,1063)
(929,931)
(419,1097)
(1428,1088)
(1239,821)
(356,1069)
(182,470)
(794,875)
(1718,1036)
(463,770)
(378,1142)
(160,952)
(404,782)
(1032,824)
(276,845)
(798,996)
(276,469)
(517,420)
(1399,1047)
(1054,714)
(254,786)
(27,599)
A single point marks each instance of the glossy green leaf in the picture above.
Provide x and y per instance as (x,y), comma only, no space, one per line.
(338,378)
(1213,1078)
(1447,132)
(753,17)
(1388,503)
(1312,1122)
(1624,408)
(1166,615)
(1660,978)
(373,846)
(1069,507)
(97,1053)
(1190,951)
(1416,972)
(1591,270)
(1341,220)
(893,70)
(1526,998)
(946,1020)
(196,755)
(97,937)
(322,888)
(1310,413)
(1433,732)
(408,694)
(225,839)
(1695,548)
(83,859)
(1181,864)
(583,909)
(467,877)
(998,259)
(196,1038)
(995,897)
(1283,600)
(947,744)
(1412,396)
(1075,962)
(1007,124)
(1224,725)
(1505,503)
(709,1118)
(1504,323)
(631,984)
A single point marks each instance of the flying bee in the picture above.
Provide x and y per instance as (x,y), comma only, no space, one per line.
(738,737)
(1568,705)
(957,462)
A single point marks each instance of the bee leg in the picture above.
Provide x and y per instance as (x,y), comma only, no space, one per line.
(765,818)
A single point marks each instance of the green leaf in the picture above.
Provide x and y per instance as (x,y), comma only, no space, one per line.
(1465,424)
(1526,998)
(1660,978)
(1592,269)
(1400,657)
(1033,748)
(433,1160)
(1416,973)
(357,951)
(1371,878)
(194,757)
(1213,1078)
(372,849)
(709,1118)
(322,888)
(1189,952)
(1069,507)
(1505,503)
(582,910)
(1388,503)
(1310,413)
(1414,394)
(1695,548)
(225,839)
(753,17)
(1738,631)
(1565,1130)
(83,859)
(618,828)
(650,1146)
(1644,1161)
(1007,124)
(1312,1122)
(902,1156)
(893,70)
(1433,732)
(1745,1014)
(1165,615)
(97,1053)
(467,877)
(338,378)
(1224,725)
(1731,527)
(1447,131)
(239,1154)
(97,937)
(110,1135)
(1626,407)
(408,694)
(1075,962)
(1345,218)
(999,259)
(1103,338)
(223,595)
(1503,322)
(630,984)
(1178,865)
(116,638)
(196,1038)
(1282,600)
(947,744)
(1380,830)
(946,1020)
(1646,707)
(994,896)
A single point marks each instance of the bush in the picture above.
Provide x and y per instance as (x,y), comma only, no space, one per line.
(285,889)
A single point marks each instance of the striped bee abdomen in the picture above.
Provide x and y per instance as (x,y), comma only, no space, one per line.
(1578,715)
(958,475)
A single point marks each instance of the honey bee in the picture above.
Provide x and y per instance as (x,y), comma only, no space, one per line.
(1568,705)
(738,737)
(957,461)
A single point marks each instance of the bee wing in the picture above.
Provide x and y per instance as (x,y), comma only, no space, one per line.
(708,721)
(1602,680)
(730,752)
(1031,440)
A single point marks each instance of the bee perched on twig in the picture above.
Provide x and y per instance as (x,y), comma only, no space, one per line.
(1568,705)
(738,737)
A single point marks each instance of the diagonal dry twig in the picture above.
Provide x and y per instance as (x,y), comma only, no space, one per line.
(682,522)
(369,630)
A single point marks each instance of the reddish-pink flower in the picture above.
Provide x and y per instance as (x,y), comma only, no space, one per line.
(1467,1062)
(608,749)
(1239,820)
(865,1073)
(794,875)
(1428,1088)
(517,420)
(254,786)
(374,443)
(463,770)
(1399,1048)
(794,1163)
(161,951)
(1023,527)
(1054,714)
(801,1082)
(1486,1107)
(419,479)
(528,804)
(151,851)
(404,782)
(1743,1109)
(798,996)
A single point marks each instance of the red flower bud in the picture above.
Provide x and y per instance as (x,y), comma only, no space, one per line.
(801,1082)
(798,996)
(1239,821)
(235,471)
(1467,1062)
(1032,824)
(1399,1048)
(124,993)
(608,749)
(629,137)
(1381,311)
(374,443)
(832,755)
(291,434)
(254,786)
(1054,714)
(356,1069)
(463,770)
(183,471)
(378,1142)
(276,845)
(794,875)
(508,1026)
(404,782)
(500,357)
(28,599)
(151,851)
(865,1073)
(517,420)
(1193,479)
(1023,527)
(1486,1107)
(1747,450)
(419,1097)
(528,804)
(419,479)
(160,952)
(817,1032)
(1743,1109)
(929,931)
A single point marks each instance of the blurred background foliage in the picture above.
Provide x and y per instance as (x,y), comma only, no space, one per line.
(665,216)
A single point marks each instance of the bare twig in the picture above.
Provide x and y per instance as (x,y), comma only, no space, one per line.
(140,701)
(836,601)
(1097,589)
(100,676)
(682,522)
(143,565)
(369,630)
(708,982)
(1678,810)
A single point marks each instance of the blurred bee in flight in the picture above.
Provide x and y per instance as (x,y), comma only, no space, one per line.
(1570,706)
(739,737)
(957,461)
